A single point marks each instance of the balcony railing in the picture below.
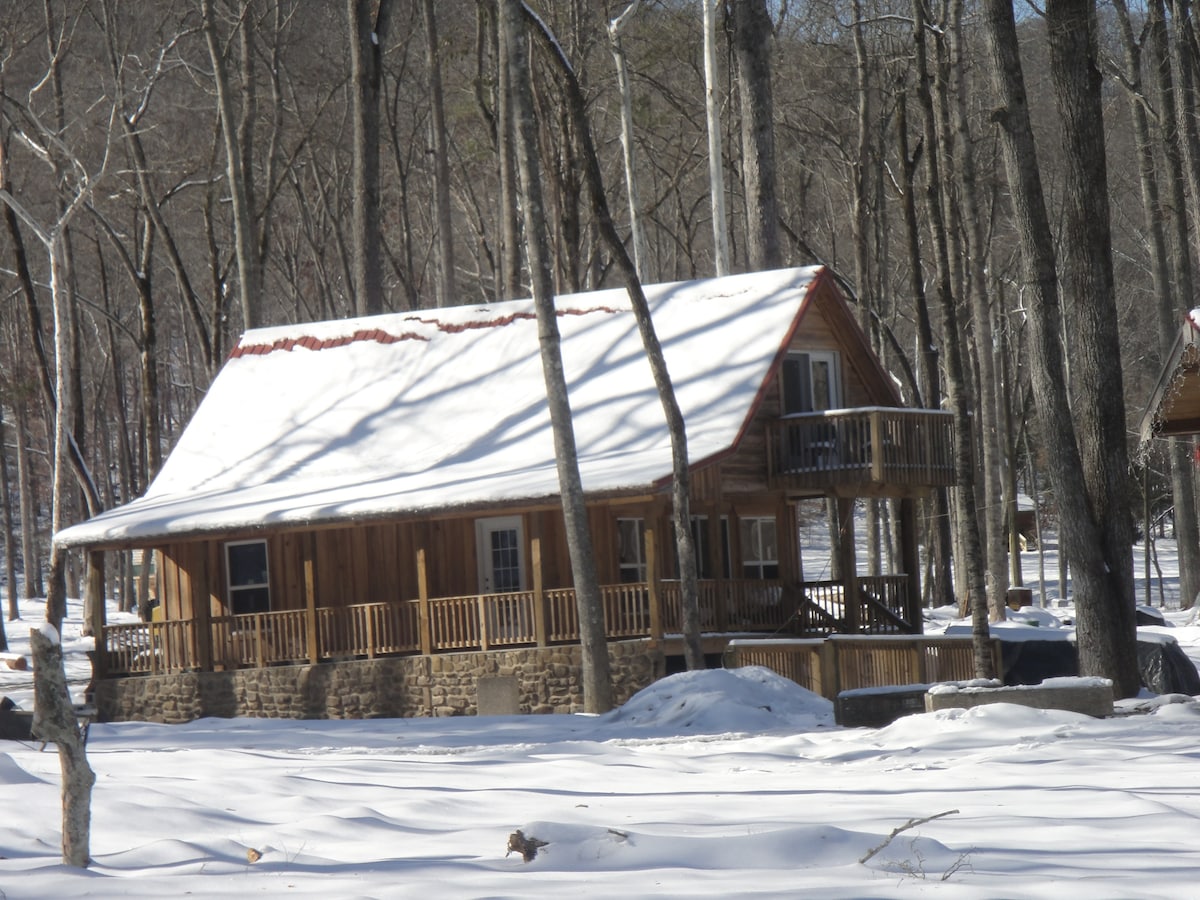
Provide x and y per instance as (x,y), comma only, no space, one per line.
(874,449)
(492,621)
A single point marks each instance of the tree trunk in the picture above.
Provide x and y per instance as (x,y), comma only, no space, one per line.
(636,233)
(937,532)
(441,161)
(54,721)
(31,561)
(685,546)
(712,112)
(752,34)
(249,271)
(366,53)
(10,545)
(597,679)
(1101,560)
(988,388)
(970,558)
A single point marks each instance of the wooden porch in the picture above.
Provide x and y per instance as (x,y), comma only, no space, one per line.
(535,618)
(861,452)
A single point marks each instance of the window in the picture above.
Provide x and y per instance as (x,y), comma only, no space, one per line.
(812,382)
(703,557)
(249,582)
(760,548)
(631,554)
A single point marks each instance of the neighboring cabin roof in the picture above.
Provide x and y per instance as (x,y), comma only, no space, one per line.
(437,409)
(1174,405)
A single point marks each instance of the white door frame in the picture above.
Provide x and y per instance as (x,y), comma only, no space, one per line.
(485,563)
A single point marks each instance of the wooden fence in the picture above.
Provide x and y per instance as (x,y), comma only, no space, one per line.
(847,662)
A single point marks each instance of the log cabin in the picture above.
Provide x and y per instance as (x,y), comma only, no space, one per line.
(363,516)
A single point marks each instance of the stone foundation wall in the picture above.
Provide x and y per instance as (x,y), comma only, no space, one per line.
(547,679)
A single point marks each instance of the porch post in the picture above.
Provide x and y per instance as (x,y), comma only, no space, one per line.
(539,594)
(653,586)
(851,602)
(910,557)
(878,473)
(310,609)
(423,623)
(715,552)
(95,599)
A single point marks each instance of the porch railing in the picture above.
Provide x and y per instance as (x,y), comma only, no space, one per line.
(490,621)
(873,447)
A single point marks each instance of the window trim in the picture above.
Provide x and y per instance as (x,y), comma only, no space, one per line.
(811,357)
(231,589)
(757,561)
(639,566)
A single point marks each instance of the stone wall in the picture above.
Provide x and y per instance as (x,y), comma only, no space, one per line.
(547,679)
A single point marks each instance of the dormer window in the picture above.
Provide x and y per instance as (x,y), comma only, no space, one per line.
(812,382)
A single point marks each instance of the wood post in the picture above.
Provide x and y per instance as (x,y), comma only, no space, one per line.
(310,609)
(539,593)
(910,557)
(851,601)
(95,598)
(653,586)
(423,623)
(878,474)
(715,553)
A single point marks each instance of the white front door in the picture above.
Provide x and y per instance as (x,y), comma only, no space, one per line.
(500,553)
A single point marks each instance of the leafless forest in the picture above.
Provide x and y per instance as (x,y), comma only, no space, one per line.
(176,171)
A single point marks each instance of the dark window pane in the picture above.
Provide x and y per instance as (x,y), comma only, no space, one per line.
(247,564)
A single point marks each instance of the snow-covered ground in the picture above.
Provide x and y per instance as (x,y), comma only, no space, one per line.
(712,784)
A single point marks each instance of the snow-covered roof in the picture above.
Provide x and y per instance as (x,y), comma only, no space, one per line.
(436,409)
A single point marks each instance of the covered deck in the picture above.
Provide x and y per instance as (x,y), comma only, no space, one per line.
(534,618)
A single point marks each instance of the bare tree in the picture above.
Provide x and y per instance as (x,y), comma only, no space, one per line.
(237,176)
(1086,462)
(636,232)
(680,482)
(597,678)
(441,160)
(712,109)
(368,30)
(752,41)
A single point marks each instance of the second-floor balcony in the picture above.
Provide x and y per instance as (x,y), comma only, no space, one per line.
(866,451)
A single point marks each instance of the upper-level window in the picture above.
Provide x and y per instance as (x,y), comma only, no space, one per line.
(812,381)
(631,555)
(249,582)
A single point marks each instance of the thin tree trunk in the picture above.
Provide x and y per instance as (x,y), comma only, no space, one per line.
(365,76)
(680,485)
(712,112)
(956,388)
(441,161)
(10,545)
(249,272)
(939,582)
(597,679)
(976,262)
(636,233)
(752,35)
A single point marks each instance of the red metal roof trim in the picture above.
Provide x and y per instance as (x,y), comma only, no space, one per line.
(501,321)
(377,335)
